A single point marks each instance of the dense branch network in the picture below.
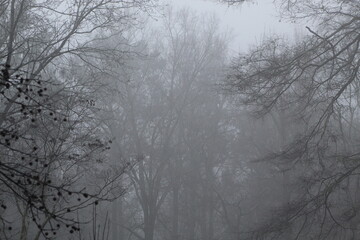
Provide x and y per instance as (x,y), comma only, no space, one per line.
(315,83)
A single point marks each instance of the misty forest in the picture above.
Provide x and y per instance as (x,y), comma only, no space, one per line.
(134,120)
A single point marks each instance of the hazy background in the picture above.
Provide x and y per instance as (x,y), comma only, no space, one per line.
(131,119)
(248,22)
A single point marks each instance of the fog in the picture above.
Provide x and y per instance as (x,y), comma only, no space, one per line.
(179,120)
(248,23)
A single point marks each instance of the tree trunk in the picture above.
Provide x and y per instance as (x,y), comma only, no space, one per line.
(149,227)
(114,222)
(175,217)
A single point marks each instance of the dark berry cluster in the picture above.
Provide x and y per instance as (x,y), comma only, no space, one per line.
(25,111)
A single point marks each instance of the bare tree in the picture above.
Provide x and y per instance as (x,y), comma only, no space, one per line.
(51,146)
(161,100)
(316,83)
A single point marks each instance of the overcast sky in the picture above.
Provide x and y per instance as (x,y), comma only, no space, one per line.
(249,23)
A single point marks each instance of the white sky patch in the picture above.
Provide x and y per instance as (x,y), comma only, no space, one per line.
(249,22)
